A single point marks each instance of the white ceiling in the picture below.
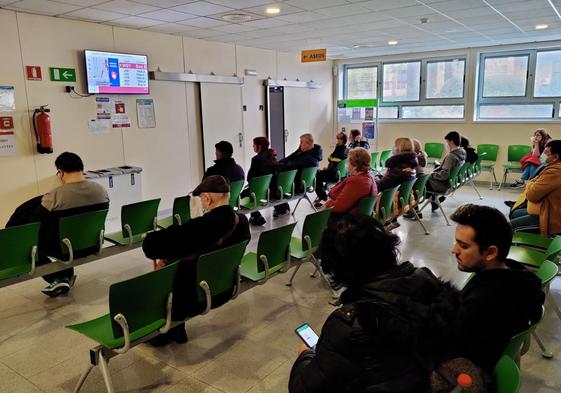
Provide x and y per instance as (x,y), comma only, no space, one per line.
(347,28)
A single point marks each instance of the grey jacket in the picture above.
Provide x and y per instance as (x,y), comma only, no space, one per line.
(439,178)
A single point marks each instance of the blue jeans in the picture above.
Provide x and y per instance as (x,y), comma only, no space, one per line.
(530,171)
(522,221)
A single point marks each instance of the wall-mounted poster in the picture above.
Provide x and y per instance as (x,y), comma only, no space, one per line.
(145,113)
(369,130)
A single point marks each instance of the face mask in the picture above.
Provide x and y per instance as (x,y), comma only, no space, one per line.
(394,150)
(543,159)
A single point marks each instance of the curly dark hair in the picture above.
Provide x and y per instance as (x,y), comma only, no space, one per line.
(356,248)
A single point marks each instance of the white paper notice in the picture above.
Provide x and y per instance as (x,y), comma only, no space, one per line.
(99,126)
(7,99)
(103,108)
(120,118)
(7,143)
(145,113)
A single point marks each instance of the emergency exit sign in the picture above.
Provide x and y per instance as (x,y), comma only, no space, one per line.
(62,74)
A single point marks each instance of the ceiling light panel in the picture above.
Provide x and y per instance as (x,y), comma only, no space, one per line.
(285,9)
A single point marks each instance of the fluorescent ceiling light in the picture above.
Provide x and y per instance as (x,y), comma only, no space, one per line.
(392,42)
(272,10)
(541,27)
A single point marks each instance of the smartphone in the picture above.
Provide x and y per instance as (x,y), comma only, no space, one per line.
(306,333)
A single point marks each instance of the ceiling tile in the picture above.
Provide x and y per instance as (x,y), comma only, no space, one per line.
(302,17)
(342,10)
(167,15)
(135,21)
(201,8)
(164,3)
(202,33)
(204,22)
(234,28)
(93,15)
(82,3)
(455,5)
(125,7)
(381,5)
(239,4)
(316,4)
(169,28)
(42,7)
(266,23)
(418,10)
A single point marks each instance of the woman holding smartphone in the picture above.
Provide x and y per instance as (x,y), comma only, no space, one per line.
(392,327)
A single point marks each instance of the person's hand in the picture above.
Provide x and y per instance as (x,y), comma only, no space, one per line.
(303,347)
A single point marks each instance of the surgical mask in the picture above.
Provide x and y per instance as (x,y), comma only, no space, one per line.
(394,150)
(543,159)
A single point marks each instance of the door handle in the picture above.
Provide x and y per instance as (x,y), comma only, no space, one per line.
(286,135)
(240,138)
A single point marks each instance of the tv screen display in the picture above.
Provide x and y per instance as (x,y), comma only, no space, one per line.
(116,73)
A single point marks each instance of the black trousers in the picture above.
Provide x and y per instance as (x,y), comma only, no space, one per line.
(324,177)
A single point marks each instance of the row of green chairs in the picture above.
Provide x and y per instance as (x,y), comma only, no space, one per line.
(131,322)
(379,166)
(514,155)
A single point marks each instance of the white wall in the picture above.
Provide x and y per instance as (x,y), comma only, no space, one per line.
(170,154)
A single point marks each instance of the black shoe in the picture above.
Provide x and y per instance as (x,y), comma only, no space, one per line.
(280,213)
(258,221)
(159,341)
(433,206)
(178,334)
(441,198)
(510,203)
(411,216)
(57,288)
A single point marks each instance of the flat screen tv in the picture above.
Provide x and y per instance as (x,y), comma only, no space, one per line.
(116,73)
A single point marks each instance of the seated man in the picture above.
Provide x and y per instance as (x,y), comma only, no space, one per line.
(76,195)
(439,179)
(225,165)
(502,298)
(218,228)
(307,155)
(392,327)
(539,206)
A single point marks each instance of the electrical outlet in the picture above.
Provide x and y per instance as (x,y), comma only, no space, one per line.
(68,89)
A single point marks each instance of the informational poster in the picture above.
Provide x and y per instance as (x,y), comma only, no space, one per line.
(343,115)
(120,118)
(7,99)
(7,137)
(369,114)
(369,130)
(103,108)
(145,113)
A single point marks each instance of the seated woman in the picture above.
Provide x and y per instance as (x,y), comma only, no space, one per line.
(531,162)
(356,140)
(392,327)
(329,174)
(401,166)
(345,195)
(539,207)
(263,163)
(471,154)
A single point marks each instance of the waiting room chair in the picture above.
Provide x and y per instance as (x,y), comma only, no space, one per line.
(342,171)
(515,154)
(273,253)
(366,205)
(374,160)
(384,208)
(235,191)
(384,155)
(308,185)
(491,152)
(285,184)
(181,213)
(19,250)
(404,196)
(535,258)
(434,151)
(520,343)
(532,240)
(507,376)
(453,184)
(129,320)
(258,192)
(81,235)
(420,192)
(137,219)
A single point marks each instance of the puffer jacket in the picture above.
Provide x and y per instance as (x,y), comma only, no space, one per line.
(400,167)
(300,160)
(439,179)
(387,336)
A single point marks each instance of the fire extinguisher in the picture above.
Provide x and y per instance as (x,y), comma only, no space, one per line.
(43,132)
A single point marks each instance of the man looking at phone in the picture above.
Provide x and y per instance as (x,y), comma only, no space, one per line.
(392,327)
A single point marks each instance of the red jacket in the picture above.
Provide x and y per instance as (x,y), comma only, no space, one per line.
(345,195)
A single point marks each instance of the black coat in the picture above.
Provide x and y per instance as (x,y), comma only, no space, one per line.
(471,155)
(339,154)
(226,167)
(494,306)
(263,163)
(400,168)
(300,160)
(386,338)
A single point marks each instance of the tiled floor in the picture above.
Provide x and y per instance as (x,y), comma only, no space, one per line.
(247,345)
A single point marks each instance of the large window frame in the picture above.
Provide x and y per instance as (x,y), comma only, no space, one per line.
(422,101)
(527,99)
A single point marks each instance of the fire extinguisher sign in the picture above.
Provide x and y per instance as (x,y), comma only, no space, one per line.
(7,137)
(33,73)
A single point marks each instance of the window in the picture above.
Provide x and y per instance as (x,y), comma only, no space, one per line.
(402,82)
(521,85)
(445,79)
(431,89)
(362,83)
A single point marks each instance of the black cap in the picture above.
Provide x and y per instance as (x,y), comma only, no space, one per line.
(215,183)
(225,148)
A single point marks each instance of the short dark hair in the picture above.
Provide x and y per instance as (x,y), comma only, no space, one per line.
(490,225)
(554,147)
(69,162)
(356,248)
(225,148)
(453,136)
(355,133)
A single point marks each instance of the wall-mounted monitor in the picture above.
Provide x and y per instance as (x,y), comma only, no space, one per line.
(116,73)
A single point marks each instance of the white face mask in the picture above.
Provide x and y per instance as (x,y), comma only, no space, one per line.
(543,159)
(394,150)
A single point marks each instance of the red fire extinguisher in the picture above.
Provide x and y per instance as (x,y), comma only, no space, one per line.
(43,132)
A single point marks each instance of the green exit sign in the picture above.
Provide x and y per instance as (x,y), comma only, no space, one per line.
(63,74)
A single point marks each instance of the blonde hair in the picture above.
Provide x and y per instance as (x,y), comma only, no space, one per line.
(418,146)
(360,159)
(404,145)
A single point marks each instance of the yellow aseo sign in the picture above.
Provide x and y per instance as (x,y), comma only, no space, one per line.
(311,55)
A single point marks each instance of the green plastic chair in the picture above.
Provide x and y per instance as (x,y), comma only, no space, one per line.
(463,174)
(520,343)
(374,160)
(308,184)
(258,192)
(342,171)
(488,164)
(285,184)
(515,154)
(434,151)
(137,219)
(218,272)
(235,191)
(273,251)
(303,247)
(404,196)
(384,157)
(535,258)
(129,320)
(366,205)
(532,240)
(420,192)
(507,376)
(80,233)
(385,205)
(453,184)
(19,250)
(181,213)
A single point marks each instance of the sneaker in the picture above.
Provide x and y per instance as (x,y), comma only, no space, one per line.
(411,216)
(317,203)
(178,334)
(434,206)
(57,288)
(392,225)
(257,221)
(278,213)
(517,184)
(159,341)
(510,203)
(441,198)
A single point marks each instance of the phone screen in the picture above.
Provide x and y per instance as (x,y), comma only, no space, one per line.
(307,335)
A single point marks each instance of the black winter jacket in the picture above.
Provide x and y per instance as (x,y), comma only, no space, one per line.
(387,336)
(471,155)
(494,306)
(300,160)
(226,167)
(339,154)
(263,163)
(400,167)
